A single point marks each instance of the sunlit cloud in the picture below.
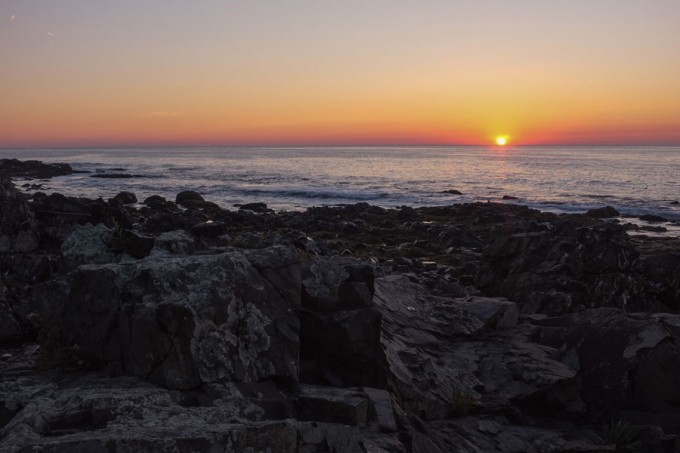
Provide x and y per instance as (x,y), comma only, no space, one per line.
(165,114)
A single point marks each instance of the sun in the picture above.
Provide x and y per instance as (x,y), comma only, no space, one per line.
(501,141)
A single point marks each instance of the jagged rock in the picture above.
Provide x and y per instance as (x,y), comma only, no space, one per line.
(566,270)
(177,242)
(96,413)
(337,284)
(183,321)
(88,244)
(445,358)
(625,361)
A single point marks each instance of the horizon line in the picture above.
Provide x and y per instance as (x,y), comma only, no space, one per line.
(339,145)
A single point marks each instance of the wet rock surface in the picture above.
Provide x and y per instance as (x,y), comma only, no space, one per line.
(472,327)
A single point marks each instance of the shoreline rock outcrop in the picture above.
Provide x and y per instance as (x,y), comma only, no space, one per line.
(472,327)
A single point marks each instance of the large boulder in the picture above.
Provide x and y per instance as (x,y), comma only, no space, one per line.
(563,269)
(183,321)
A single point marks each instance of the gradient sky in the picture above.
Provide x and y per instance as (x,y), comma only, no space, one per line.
(219,72)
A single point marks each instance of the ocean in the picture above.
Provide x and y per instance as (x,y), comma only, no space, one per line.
(634,180)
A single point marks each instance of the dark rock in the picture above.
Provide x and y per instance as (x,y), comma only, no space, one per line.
(154,200)
(509,197)
(653,218)
(32,168)
(209,229)
(360,407)
(176,242)
(186,197)
(497,434)
(625,361)
(180,322)
(94,413)
(11,329)
(126,197)
(329,437)
(134,244)
(675,202)
(407,213)
(605,212)
(662,277)
(452,192)
(445,358)
(342,348)
(255,207)
(337,284)
(57,208)
(562,271)
(15,214)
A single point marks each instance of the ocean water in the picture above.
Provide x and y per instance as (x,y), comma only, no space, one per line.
(634,180)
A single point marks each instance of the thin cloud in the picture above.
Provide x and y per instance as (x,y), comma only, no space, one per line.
(11,19)
(51,35)
(169,114)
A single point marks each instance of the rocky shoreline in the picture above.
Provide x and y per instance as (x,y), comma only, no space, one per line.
(178,325)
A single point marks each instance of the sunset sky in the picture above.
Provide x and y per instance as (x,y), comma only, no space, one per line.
(218,72)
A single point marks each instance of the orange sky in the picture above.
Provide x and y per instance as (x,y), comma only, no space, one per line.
(82,73)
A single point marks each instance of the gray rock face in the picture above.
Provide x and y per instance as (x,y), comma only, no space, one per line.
(96,413)
(183,321)
(562,271)
(88,244)
(177,242)
(446,358)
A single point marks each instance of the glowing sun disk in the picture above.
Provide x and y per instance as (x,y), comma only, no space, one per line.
(501,141)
